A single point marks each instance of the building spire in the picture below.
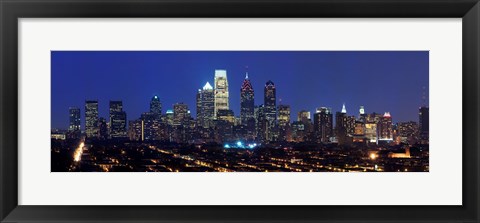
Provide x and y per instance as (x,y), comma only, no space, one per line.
(246,72)
(344,110)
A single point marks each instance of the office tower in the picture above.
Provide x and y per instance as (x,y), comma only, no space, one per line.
(423,124)
(359,132)
(371,132)
(156,107)
(102,128)
(284,122)
(408,132)
(151,126)
(323,124)
(246,101)
(226,115)
(283,115)
(341,125)
(260,123)
(74,122)
(169,117)
(205,106)
(198,105)
(304,116)
(385,128)
(91,119)
(298,131)
(180,114)
(224,126)
(361,114)
(221,91)
(118,120)
(270,103)
(136,130)
(350,125)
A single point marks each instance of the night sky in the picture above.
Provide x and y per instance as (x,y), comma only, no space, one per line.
(379,80)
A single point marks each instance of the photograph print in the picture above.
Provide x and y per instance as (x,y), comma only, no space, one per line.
(239,111)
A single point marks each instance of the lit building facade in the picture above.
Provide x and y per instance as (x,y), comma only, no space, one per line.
(74,122)
(180,114)
(247,104)
(221,91)
(260,123)
(205,106)
(118,120)
(91,119)
(284,122)
(136,130)
(270,103)
(385,128)
(408,132)
(323,124)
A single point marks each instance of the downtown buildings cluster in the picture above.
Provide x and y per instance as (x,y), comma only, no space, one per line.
(266,123)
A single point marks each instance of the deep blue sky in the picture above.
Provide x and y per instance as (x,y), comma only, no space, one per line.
(379,80)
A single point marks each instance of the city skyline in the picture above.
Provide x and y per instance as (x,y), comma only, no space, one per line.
(64,62)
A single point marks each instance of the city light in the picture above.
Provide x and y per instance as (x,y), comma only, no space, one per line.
(215,138)
(77,155)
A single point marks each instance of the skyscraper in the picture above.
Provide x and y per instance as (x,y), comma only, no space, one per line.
(283,115)
(102,128)
(247,104)
(323,124)
(260,123)
(341,125)
(284,122)
(205,106)
(361,114)
(408,132)
(180,114)
(156,107)
(151,126)
(385,128)
(136,130)
(423,124)
(221,91)
(304,116)
(74,122)
(118,120)
(91,119)
(270,102)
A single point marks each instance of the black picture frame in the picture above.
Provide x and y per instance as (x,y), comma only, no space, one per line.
(12,10)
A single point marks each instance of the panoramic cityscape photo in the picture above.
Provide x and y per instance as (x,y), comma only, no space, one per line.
(239,111)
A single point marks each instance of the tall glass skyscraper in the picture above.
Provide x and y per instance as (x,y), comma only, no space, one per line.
(385,127)
(91,119)
(156,107)
(180,114)
(221,91)
(270,102)
(74,119)
(323,124)
(74,122)
(118,120)
(205,106)
(247,104)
